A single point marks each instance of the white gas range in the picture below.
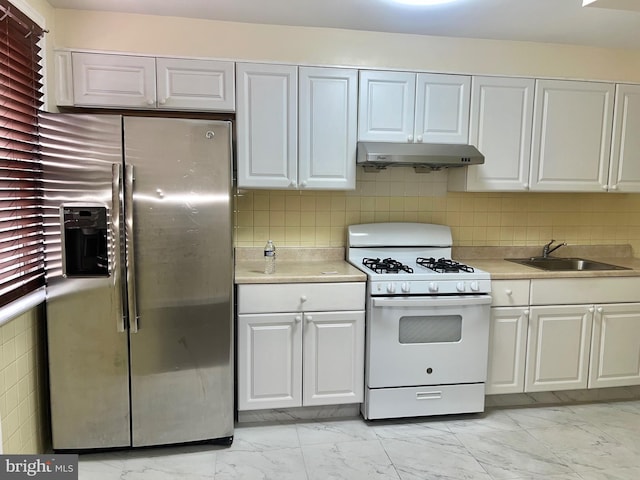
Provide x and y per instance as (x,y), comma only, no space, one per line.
(427,322)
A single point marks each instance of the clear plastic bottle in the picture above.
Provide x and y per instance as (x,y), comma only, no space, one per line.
(269,258)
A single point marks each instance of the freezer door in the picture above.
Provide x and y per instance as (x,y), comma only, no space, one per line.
(87,342)
(179,248)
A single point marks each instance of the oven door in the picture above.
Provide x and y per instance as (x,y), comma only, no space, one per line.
(430,340)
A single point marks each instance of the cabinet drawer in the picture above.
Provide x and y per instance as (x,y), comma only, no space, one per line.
(568,291)
(299,297)
(427,400)
(509,293)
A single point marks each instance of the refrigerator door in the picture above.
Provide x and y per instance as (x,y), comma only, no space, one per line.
(87,341)
(179,234)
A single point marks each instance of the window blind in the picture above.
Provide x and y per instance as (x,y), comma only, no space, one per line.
(21,221)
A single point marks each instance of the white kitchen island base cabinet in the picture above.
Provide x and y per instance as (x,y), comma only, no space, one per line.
(302,357)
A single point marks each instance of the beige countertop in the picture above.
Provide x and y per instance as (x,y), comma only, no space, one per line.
(296,265)
(492,260)
(307,264)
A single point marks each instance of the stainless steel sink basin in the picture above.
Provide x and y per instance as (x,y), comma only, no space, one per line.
(565,264)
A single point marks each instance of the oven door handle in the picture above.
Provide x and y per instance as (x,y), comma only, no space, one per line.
(433,301)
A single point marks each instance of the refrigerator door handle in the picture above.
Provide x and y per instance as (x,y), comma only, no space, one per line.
(131,257)
(116,202)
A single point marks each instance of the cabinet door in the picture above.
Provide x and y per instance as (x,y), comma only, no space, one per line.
(269,361)
(571,135)
(267,123)
(328,119)
(442,108)
(333,358)
(500,127)
(63,71)
(624,174)
(507,350)
(114,80)
(615,347)
(558,348)
(195,84)
(386,106)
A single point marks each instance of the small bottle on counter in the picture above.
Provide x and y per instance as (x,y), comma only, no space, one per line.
(269,258)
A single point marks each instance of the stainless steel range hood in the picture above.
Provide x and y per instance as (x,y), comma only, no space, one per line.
(424,157)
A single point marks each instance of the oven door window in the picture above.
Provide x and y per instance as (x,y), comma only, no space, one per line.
(430,329)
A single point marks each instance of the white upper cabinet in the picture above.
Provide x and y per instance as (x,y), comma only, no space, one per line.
(129,81)
(409,107)
(270,155)
(624,171)
(113,80)
(267,123)
(500,127)
(442,108)
(328,118)
(571,135)
(195,84)
(386,106)
(63,71)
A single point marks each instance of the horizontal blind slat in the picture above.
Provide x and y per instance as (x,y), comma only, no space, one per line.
(21,185)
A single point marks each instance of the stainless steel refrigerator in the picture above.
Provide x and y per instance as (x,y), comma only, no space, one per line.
(139,264)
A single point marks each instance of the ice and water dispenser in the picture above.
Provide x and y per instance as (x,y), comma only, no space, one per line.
(85,231)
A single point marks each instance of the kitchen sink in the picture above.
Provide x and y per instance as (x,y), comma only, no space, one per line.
(565,264)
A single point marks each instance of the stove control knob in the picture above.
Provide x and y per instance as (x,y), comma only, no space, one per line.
(433,287)
(405,287)
(460,286)
(391,288)
(475,287)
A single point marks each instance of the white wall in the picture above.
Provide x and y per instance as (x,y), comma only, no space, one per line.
(206,38)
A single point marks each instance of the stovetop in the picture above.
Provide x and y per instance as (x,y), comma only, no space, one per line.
(440,265)
(404,258)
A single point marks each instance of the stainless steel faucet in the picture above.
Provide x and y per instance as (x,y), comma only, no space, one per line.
(546,250)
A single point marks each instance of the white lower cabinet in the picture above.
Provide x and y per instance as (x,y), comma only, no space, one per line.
(333,361)
(508,336)
(269,361)
(615,346)
(300,358)
(591,341)
(507,350)
(558,348)
(563,334)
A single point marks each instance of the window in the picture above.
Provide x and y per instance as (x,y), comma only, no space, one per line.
(21,221)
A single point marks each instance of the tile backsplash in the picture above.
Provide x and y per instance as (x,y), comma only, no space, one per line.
(319,218)
(22,384)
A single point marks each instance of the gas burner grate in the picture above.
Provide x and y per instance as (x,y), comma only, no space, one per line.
(388,265)
(444,265)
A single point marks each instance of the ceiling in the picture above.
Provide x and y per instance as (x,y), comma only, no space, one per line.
(601,23)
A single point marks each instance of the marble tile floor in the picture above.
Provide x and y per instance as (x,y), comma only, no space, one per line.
(597,441)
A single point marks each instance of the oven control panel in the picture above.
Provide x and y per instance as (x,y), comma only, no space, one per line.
(430,287)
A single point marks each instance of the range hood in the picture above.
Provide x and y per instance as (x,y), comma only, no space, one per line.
(424,157)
